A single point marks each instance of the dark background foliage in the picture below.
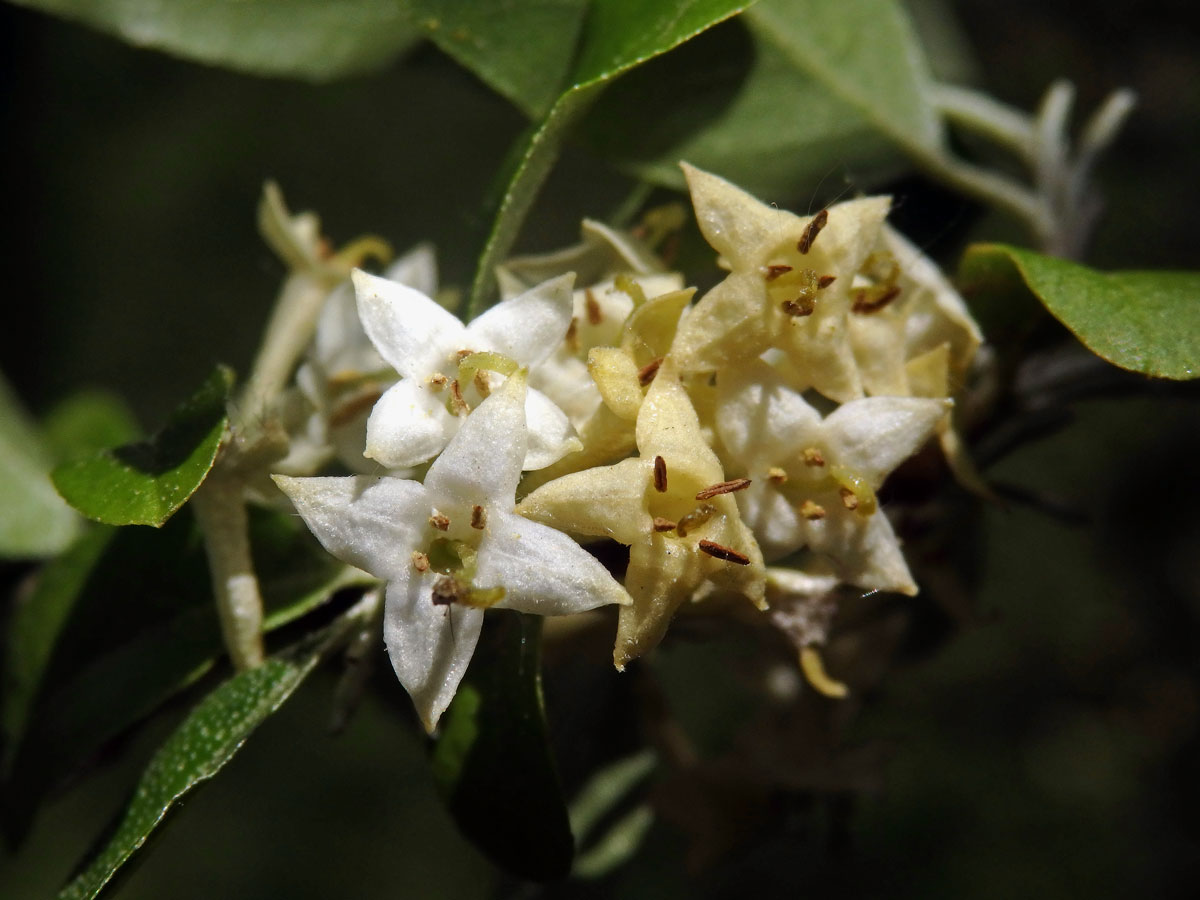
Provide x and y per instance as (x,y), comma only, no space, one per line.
(1049,747)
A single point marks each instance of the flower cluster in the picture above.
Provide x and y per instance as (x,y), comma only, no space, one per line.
(598,401)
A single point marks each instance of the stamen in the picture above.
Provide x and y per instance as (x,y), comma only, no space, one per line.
(724,487)
(812,511)
(647,372)
(462,354)
(447,590)
(812,457)
(478,517)
(814,671)
(437,381)
(481,384)
(849,498)
(825,281)
(776,475)
(871,300)
(660,474)
(661,524)
(572,337)
(774,272)
(800,306)
(728,554)
(420,561)
(440,522)
(695,518)
(595,315)
(626,285)
(811,230)
(455,404)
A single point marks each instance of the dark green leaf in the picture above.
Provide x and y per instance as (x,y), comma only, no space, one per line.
(202,745)
(1148,322)
(867,53)
(492,762)
(311,39)
(119,624)
(618,35)
(34,520)
(737,109)
(602,850)
(145,483)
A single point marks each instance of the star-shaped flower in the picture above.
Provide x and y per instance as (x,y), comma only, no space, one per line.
(671,505)
(451,547)
(790,284)
(813,480)
(447,367)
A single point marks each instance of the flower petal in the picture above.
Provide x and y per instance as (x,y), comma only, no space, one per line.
(607,501)
(429,645)
(551,435)
(863,552)
(408,425)
(740,227)
(529,327)
(874,435)
(542,570)
(761,421)
(417,268)
(409,330)
(371,523)
(482,463)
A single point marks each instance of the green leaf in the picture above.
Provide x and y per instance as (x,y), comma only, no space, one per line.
(203,744)
(492,762)
(81,669)
(310,39)
(618,35)
(602,850)
(735,108)
(1148,322)
(34,520)
(867,53)
(87,422)
(145,483)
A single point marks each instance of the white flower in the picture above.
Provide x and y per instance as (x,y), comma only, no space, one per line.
(427,345)
(451,547)
(813,481)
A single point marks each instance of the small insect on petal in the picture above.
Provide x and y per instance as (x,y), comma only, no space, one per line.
(724,487)
(660,474)
(811,230)
(728,554)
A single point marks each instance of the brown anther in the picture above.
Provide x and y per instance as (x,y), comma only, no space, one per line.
(481,383)
(849,498)
(869,301)
(812,457)
(460,406)
(647,372)
(774,272)
(812,511)
(478,517)
(825,281)
(661,524)
(803,305)
(811,230)
(776,475)
(695,518)
(660,474)
(572,337)
(462,354)
(437,381)
(724,487)
(594,314)
(728,554)
(420,561)
(348,410)
(440,522)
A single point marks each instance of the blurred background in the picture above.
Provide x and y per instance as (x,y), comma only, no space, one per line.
(1049,746)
